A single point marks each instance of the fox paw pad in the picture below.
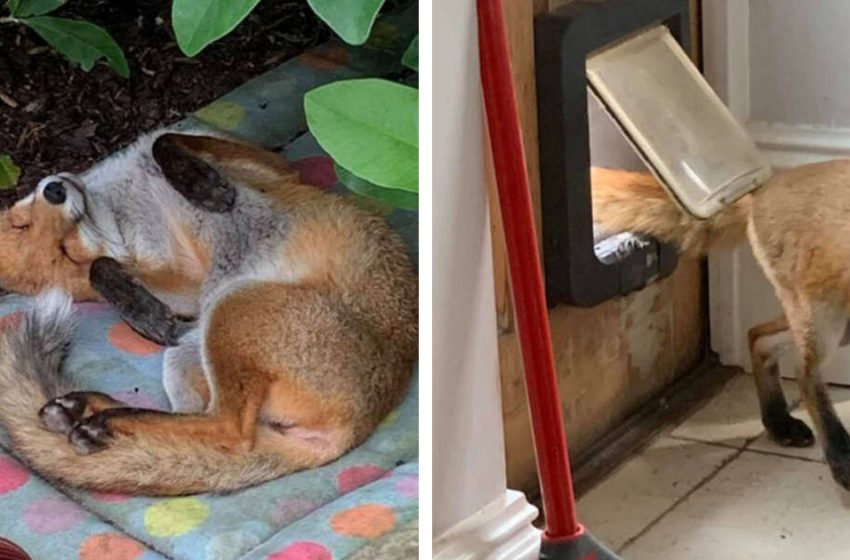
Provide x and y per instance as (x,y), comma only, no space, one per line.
(90,436)
(61,414)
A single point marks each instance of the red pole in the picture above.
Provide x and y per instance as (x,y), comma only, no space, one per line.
(529,297)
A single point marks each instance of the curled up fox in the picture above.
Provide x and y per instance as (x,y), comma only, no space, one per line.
(304,308)
(797,226)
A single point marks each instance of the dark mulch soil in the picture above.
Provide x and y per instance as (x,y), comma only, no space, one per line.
(54,116)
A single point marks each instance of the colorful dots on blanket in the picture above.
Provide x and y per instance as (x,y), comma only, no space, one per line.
(12,475)
(136,398)
(176,516)
(408,486)
(367,521)
(110,546)
(353,478)
(289,510)
(52,515)
(127,340)
(303,550)
(223,114)
(317,171)
(91,307)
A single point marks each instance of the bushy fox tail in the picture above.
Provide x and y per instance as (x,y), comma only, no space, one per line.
(636,202)
(32,351)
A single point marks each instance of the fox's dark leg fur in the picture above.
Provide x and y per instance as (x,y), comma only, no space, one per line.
(229,428)
(192,177)
(767,343)
(142,310)
(836,442)
(818,331)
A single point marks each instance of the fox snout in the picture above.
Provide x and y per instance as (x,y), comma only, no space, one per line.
(65,191)
(55,193)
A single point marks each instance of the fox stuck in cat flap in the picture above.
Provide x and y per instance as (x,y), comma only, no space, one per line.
(629,55)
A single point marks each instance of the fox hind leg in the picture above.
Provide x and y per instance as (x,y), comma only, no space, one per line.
(229,425)
(818,331)
(226,431)
(768,342)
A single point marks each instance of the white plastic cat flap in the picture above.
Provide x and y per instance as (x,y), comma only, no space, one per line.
(681,129)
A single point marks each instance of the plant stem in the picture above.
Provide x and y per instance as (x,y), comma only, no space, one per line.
(9,19)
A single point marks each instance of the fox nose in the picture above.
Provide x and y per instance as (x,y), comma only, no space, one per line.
(54,192)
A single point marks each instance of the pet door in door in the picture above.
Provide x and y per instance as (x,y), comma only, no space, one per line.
(678,125)
(630,54)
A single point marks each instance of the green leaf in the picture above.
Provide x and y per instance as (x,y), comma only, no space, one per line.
(399,199)
(410,58)
(12,6)
(370,127)
(28,8)
(9,172)
(80,41)
(352,20)
(197,23)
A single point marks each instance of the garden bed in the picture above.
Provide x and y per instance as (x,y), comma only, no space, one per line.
(54,116)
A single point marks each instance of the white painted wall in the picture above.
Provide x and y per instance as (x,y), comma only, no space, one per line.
(799,52)
(473,516)
(467,402)
(781,66)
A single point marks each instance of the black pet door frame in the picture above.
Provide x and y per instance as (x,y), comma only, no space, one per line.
(563,39)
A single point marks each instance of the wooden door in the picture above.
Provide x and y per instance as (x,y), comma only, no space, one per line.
(610,358)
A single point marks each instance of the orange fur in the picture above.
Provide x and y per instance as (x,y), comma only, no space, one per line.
(636,201)
(31,255)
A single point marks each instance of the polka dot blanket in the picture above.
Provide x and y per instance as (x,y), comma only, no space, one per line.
(321,514)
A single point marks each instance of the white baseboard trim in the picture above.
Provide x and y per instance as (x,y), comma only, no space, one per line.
(501,530)
(788,146)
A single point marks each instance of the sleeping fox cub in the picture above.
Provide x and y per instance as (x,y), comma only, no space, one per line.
(306,313)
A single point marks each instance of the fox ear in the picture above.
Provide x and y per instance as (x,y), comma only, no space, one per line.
(192,177)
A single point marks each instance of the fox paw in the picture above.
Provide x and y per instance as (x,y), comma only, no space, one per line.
(91,435)
(191,176)
(791,432)
(61,414)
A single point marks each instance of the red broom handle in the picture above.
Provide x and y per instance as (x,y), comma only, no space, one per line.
(529,297)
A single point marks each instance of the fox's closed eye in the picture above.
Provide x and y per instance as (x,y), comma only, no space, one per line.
(19,221)
(20,216)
